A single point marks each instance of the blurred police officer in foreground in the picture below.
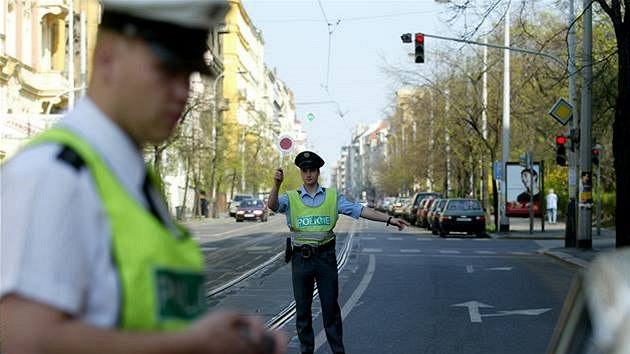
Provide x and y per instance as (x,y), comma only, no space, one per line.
(91,262)
(312,213)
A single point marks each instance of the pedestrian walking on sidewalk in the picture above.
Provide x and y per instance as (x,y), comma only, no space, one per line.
(100,266)
(312,213)
(552,206)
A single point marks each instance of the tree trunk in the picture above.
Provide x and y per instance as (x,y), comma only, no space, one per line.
(621,149)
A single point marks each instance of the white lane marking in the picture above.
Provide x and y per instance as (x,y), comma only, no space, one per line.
(482,239)
(423,239)
(368,250)
(368,238)
(208,249)
(501,268)
(449,252)
(257,248)
(411,250)
(454,239)
(394,238)
(521,253)
(352,301)
(485,252)
(469,269)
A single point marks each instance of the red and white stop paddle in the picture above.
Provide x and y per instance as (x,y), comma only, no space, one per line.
(285,145)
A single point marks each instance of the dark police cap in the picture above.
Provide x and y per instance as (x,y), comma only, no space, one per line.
(308,159)
(176,30)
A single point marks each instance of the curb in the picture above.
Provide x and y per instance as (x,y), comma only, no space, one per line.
(565,258)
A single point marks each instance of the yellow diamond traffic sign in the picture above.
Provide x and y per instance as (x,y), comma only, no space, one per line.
(562,111)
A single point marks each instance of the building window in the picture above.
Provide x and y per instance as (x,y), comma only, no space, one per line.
(52,43)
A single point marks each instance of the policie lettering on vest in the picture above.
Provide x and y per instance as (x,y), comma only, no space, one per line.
(313,220)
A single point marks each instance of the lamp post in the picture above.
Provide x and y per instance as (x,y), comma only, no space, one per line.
(214,145)
(505,141)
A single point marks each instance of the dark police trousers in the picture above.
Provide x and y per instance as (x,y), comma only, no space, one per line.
(320,267)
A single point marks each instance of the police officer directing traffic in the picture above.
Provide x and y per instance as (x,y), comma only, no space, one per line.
(312,213)
(91,261)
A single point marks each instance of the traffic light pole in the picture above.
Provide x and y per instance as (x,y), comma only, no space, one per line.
(584,236)
(571,224)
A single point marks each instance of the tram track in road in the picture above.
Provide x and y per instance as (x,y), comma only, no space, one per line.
(286,314)
(277,319)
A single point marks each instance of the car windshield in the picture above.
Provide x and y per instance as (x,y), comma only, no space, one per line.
(252,203)
(464,205)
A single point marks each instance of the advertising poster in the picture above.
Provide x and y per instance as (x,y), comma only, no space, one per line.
(519,189)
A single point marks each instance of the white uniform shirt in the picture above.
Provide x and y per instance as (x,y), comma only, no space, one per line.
(552,201)
(55,242)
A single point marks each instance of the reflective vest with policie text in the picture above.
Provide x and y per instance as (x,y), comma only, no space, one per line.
(160,274)
(313,225)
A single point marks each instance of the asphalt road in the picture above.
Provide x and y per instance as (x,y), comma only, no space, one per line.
(405,292)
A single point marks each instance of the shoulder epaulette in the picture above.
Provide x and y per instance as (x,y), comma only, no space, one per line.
(71,157)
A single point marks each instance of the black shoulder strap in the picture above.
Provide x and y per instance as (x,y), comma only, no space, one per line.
(69,156)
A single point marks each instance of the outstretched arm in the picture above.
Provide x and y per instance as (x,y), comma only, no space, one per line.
(371,214)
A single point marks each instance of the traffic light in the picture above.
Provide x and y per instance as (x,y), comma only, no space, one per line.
(561,150)
(595,156)
(406,37)
(419,48)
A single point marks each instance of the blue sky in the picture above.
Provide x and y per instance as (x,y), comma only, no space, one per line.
(366,36)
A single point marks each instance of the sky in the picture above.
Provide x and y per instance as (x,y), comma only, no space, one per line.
(365,38)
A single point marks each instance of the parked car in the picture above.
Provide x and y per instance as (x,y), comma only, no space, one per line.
(383,204)
(435,215)
(462,215)
(234,203)
(252,209)
(421,216)
(397,206)
(412,214)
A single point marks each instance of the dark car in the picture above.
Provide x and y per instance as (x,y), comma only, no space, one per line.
(462,215)
(412,214)
(252,209)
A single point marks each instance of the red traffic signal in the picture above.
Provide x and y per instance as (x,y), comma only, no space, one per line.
(419,48)
(561,139)
(595,156)
(561,151)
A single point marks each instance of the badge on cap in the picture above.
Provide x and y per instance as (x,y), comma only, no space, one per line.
(307,154)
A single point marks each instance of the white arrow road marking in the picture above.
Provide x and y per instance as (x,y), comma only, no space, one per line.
(473,309)
(475,315)
(500,268)
(469,269)
(530,312)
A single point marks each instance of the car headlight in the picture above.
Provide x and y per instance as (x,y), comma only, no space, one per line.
(258,212)
(240,212)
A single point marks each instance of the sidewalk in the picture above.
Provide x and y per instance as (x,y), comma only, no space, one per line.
(552,241)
